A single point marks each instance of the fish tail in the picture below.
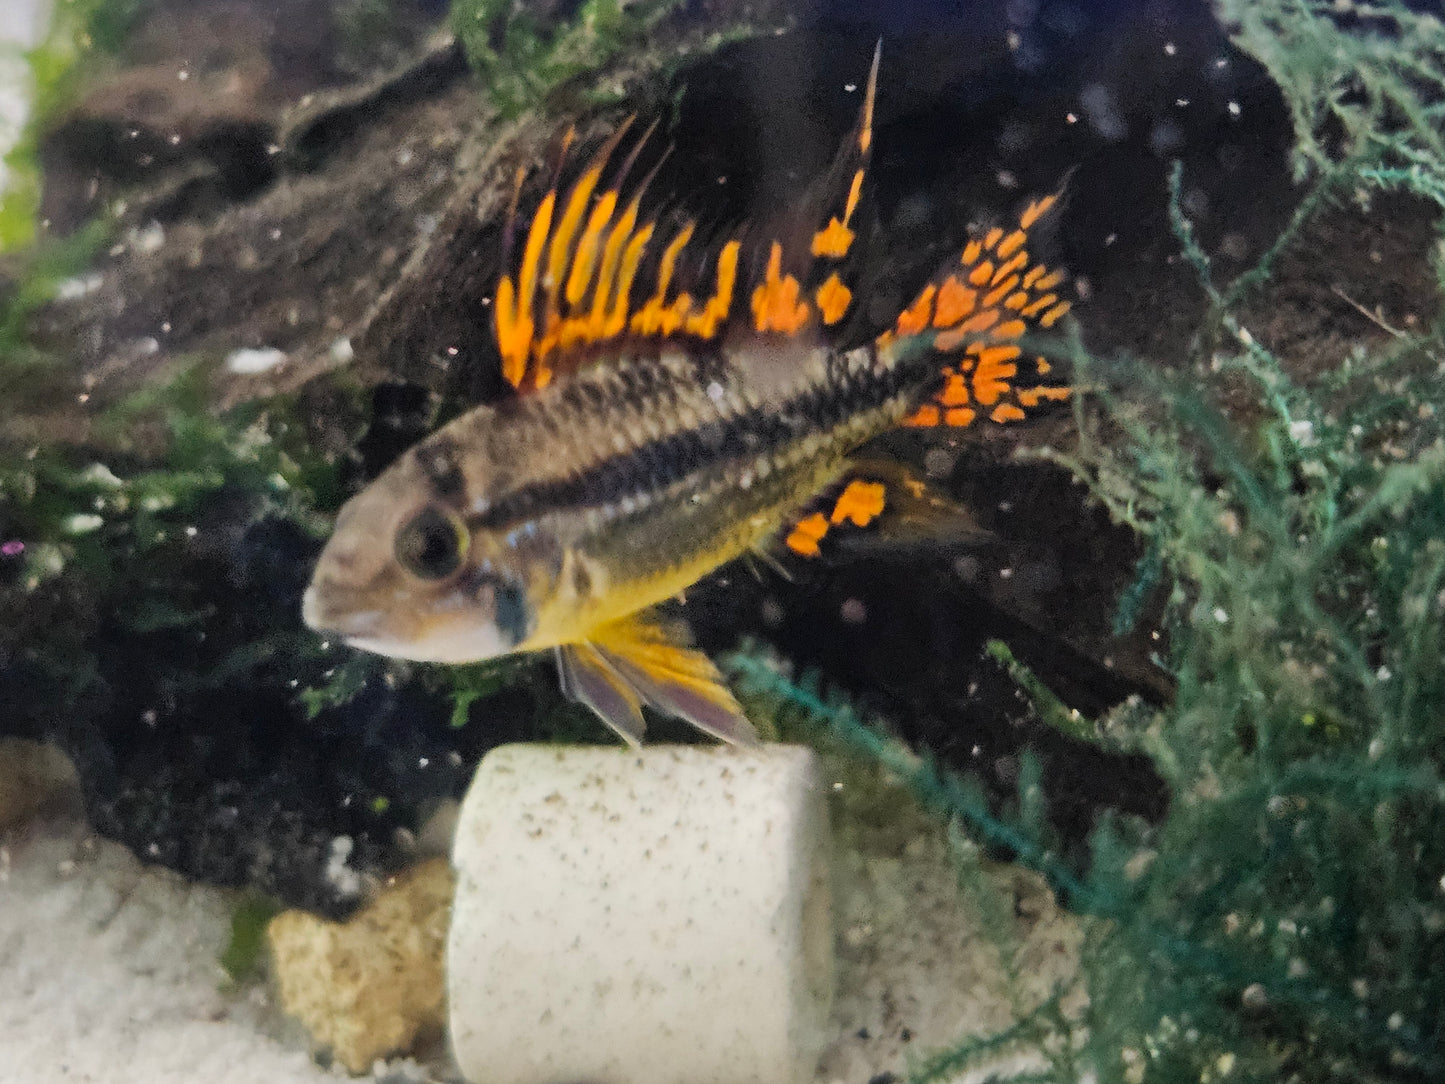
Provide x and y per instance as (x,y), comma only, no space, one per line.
(973,314)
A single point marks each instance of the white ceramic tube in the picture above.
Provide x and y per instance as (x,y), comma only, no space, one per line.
(652,917)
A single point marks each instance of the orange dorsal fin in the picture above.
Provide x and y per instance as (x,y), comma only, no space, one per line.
(976,310)
(834,247)
(595,271)
(808,281)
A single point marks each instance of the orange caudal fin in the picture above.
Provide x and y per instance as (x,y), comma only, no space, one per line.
(976,311)
(594,269)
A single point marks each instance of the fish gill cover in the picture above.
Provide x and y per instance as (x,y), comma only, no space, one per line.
(1263,427)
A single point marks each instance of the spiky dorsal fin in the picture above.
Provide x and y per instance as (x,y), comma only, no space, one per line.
(810,280)
(976,311)
(593,272)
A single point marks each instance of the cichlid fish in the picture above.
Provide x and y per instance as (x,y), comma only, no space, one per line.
(678,405)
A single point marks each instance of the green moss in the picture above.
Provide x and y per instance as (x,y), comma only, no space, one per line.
(342,683)
(245,951)
(109,511)
(477,681)
(522,57)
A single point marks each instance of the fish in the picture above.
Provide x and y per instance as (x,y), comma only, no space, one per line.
(683,397)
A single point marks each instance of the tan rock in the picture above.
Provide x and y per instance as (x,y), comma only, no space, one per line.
(33,776)
(374,985)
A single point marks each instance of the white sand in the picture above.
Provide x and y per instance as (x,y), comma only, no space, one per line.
(109,970)
(109,974)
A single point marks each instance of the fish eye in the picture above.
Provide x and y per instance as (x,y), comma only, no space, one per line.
(432,544)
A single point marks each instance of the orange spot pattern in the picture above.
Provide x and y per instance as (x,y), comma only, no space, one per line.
(833,299)
(775,302)
(915,318)
(978,312)
(955,301)
(860,503)
(803,539)
(833,240)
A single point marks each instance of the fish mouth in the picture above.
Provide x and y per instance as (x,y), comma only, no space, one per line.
(346,626)
(377,631)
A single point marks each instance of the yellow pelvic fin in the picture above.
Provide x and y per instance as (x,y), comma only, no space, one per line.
(588,678)
(642,660)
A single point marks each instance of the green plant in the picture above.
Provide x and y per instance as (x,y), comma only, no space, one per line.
(79,30)
(1286,920)
(521,55)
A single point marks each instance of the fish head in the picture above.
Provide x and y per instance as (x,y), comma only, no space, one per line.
(404,575)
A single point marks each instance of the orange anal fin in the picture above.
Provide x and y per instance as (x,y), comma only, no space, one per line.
(917,513)
(859,503)
(806,535)
(894,505)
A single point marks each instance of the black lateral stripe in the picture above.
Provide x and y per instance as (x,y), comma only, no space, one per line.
(658,464)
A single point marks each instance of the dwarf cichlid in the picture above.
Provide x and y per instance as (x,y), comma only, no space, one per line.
(678,405)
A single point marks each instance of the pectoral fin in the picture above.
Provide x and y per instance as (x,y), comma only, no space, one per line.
(639,661)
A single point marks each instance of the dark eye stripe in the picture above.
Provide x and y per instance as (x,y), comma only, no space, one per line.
(438,460)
